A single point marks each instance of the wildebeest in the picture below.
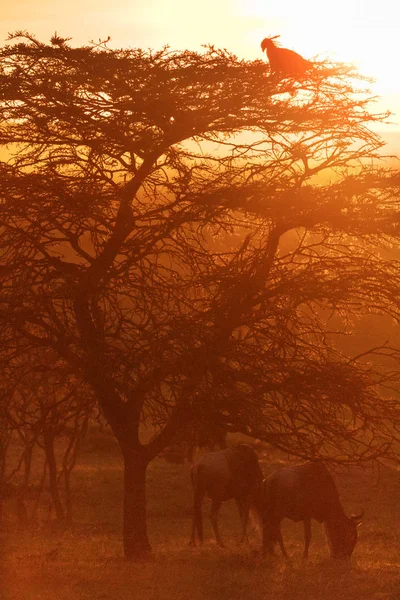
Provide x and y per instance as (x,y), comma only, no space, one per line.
(232,473)
(302,493)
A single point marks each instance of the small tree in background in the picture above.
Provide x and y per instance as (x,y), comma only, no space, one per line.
(45,417)
(191,234)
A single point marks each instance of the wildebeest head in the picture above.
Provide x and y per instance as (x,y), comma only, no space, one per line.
(249,460)
(244,468)
(342,535)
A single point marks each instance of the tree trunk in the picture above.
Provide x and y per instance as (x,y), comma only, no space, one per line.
(136,543)
(68,497)
(48,441)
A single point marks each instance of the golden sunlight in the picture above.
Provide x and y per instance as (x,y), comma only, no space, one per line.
(364,33)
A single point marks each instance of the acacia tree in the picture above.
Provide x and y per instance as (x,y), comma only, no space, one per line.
(167,230)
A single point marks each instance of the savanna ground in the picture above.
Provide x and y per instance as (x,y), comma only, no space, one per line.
(86,560)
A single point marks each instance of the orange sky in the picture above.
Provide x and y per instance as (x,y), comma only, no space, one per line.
(360,31)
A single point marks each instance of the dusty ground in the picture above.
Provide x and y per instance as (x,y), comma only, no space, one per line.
(86,561)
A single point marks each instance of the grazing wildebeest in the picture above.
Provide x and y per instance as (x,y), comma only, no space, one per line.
(232,473)
(302,493)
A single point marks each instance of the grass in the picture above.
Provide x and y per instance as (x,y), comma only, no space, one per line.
(86,561)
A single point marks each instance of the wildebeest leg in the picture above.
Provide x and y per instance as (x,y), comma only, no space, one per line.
(197,523)
(243,507)
(271,535)
(267,542)
(280,540)
(216,505)
(307,536)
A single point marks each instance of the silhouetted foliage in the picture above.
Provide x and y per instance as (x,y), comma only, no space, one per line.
(185,231)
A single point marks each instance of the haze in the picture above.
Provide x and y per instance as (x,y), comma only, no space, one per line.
(363,32)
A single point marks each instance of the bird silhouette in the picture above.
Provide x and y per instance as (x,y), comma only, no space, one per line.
(284,61)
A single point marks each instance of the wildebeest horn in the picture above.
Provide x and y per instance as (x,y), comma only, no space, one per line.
(357,518)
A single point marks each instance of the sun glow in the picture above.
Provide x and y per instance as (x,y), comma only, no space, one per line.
(364,33)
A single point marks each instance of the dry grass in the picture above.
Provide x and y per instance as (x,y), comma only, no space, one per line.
(86,561)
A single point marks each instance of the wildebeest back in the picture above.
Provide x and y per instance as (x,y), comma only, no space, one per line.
(229,473)
(303,491)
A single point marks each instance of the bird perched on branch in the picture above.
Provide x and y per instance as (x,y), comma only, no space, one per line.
(284,61)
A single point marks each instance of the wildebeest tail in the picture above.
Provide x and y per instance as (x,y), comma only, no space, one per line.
(197,501)
(270,521)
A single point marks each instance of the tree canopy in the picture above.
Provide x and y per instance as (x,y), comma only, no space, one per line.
(192,235)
